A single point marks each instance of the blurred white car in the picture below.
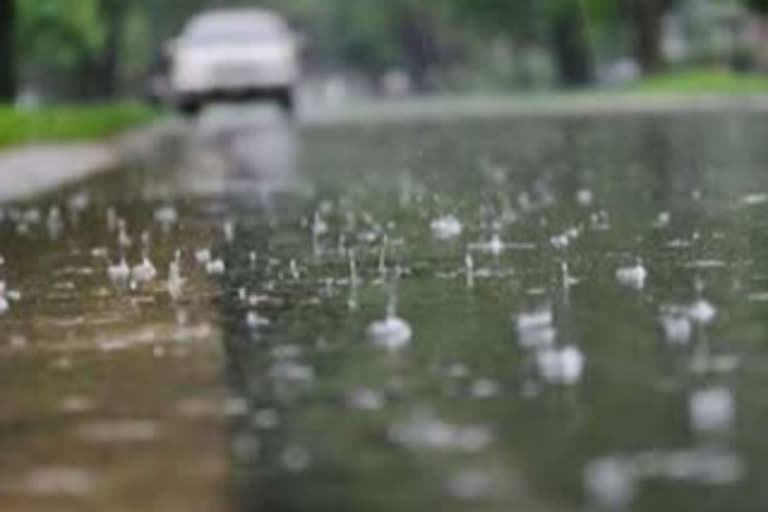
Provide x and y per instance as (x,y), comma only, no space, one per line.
(234,54)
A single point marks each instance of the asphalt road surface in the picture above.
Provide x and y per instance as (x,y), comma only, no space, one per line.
(459,313)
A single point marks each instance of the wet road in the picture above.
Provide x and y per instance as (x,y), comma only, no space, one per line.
(500,314)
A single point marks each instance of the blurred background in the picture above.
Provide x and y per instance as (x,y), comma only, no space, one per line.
(86,50)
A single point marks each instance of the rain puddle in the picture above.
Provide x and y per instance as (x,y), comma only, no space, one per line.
(531,315)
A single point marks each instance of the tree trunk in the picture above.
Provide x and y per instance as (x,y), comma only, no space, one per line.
(571,47)
(420,46)
(7,51)
(646,22)
(106,80)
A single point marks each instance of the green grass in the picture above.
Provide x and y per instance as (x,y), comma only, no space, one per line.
(65,123)
(702,81)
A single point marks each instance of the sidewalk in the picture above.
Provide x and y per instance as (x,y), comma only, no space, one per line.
(34,169)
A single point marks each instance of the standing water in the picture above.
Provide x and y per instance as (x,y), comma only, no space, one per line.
(553,349)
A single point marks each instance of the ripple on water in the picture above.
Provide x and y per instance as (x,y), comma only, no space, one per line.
(118,431)
(77,404)
(471,484)
(758,297)
(365,399)
(296,459)
(613,482)
(610,483)
(55,481)
(446,228)
(423,430)
(287,370)
(535,329)
(711,410)
(484,388)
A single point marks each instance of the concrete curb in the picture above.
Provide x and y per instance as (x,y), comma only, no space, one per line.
(534,106)
(35,169)
(32,170)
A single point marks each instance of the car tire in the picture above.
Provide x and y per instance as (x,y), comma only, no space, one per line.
(286,100)
(190,108)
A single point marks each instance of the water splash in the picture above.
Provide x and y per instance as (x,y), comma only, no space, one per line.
(392,332)
(144,272)
(354,282)
(469,264)
(633,276)
(294,270)
(229,231)
(446,228)
(175,285)
(561,366)
(383,256)
(216,267)
(711,410)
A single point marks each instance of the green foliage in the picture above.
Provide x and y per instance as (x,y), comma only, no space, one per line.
(531,18)
(19,126)
(71,38)
(58,32)
(758,6)
(702,80)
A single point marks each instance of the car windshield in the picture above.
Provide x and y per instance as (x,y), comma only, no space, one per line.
(233,28)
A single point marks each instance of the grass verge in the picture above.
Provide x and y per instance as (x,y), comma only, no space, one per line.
(65,123)
(702,81)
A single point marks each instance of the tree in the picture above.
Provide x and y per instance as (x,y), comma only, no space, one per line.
(112,15)
(563,25)
(74,48)
(419,42)
(645,19)
(570,41)
(7,50)
(758,6)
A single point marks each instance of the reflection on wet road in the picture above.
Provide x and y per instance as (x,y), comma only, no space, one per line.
(544,314)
